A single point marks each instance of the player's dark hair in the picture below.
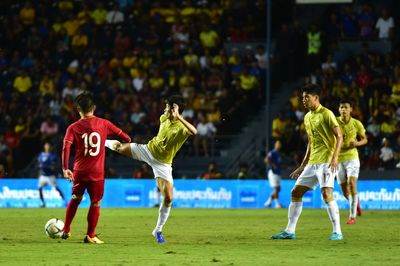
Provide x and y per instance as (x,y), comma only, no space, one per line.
(312,89)
(177,99)
(344,101)
(85,102)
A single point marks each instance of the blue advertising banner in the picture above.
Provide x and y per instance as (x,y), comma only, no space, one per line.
(23,193)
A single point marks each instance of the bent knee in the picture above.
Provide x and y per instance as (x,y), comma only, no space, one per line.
(77,198)
(168,200)
(95,203)
(327,195)
(297,193)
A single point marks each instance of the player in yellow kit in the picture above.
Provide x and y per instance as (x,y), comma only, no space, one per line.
(160,152)
(319,165)
(349,164)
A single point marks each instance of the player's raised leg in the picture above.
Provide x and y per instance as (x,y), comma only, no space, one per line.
(166,189)
(121,148)
(295,208)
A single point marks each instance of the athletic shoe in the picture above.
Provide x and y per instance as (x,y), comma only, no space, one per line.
(336,236)
(351,220)
(267,204)
(278,206)
(158,236)
(359,210)
(284,235)
(65,235)
(92,240)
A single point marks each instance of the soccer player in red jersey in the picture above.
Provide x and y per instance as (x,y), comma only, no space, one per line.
(88,135)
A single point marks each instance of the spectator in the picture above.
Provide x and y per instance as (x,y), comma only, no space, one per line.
(385,26)
(22,82)
(314,47)
(144,172)
(46,85)
(99,14)
(27,14)
(69,89)
(212,172)
(243,171)
(48,128)
(115,16)
(366,22)
(349,23)
(209,38)
(205,135)
(278,126)
(386,156)
(374,128)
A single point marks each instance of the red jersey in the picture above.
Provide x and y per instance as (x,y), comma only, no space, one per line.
(88,135)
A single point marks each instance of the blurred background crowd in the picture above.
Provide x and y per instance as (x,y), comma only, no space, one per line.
(133,53)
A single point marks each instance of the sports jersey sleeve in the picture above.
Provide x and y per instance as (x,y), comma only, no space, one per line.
(163,118)
(331,120)
(66,150)
(116,131)
(360,129)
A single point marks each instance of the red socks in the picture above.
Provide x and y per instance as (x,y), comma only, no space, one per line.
(92,219)
(70,214)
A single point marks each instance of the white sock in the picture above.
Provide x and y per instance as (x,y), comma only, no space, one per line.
(353,205)
(277,204)
(294,212)
(333,212)
(163,214)
(110,144)
(268,202)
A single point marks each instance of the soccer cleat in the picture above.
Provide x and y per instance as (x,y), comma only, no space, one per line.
(359,210)
(336,236)
(65,235)
(284,235)
(92,240)
(158,236)
(351,220)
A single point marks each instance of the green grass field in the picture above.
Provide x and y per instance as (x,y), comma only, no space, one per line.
(200,237)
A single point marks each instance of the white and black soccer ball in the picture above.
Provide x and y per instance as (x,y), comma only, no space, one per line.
(54,227)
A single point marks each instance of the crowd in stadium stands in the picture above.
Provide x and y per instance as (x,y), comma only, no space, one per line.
(370,79)
(130,54)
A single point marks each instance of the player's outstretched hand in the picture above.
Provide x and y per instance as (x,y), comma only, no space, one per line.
(68,175)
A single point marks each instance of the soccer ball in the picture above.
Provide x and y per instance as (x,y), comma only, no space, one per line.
(54,227)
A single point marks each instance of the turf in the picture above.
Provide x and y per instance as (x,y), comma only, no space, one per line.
(200,237)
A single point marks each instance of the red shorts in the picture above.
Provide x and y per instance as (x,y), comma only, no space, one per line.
(94,188)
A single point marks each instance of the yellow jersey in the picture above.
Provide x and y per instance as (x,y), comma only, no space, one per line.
(170,138)
(350,131)
(322,141)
